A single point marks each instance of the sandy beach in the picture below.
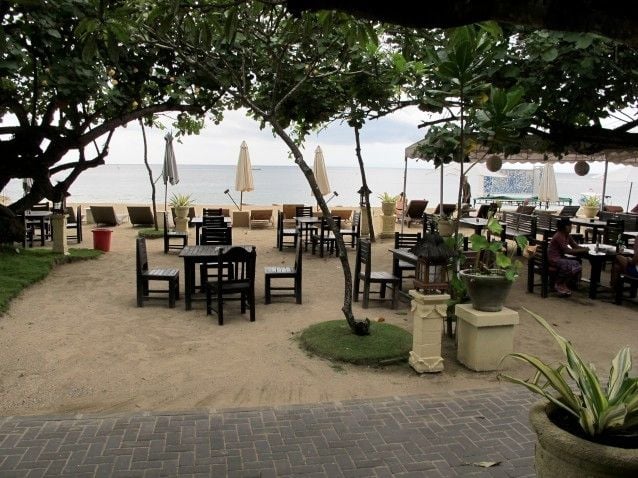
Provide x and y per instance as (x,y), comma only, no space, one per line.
(77,343)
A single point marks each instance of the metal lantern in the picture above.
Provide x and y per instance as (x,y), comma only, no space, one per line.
(362,195)
(581,168)
(494,163)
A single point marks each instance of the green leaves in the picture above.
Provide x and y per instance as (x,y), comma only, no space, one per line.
(598,410)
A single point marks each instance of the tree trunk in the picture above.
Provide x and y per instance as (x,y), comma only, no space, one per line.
(364,182)
(359,327)
(150,175)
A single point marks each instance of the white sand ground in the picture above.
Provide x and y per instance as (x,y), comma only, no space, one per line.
(77,343)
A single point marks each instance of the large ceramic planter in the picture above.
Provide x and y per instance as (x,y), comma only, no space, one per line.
(559,453)
(446,227)
(388,208)
(487,292)
(589,211)
(181,212)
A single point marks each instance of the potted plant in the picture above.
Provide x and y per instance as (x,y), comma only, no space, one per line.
(584,428)
(490,279)
(388,203)
(181,203)
(590,206)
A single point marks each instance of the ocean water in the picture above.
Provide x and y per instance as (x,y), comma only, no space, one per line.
(129,183)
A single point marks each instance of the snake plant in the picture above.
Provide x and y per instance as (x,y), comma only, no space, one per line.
(598,409)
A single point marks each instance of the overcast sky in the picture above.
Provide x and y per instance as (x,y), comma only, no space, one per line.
(383,143)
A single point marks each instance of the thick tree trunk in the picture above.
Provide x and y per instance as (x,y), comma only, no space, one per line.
(364,182)
(150,174)
(359,327)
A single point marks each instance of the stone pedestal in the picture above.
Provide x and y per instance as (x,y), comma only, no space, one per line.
(181,224)
(428,313)
(387,226)
(241,218)
(484,338)
(88,214)
(58,230)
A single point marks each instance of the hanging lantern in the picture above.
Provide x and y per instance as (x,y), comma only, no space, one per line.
(581,168)
(494,163)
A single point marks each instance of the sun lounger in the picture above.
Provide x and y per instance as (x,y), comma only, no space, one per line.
(106,215)
(141,215)
(260,218)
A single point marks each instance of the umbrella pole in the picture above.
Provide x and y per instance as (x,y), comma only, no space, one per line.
(441,192)
(166,200)
(631,185)
(405,176)
(241,199)
(602,202)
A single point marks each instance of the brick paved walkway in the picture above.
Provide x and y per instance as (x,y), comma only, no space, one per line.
(416,436)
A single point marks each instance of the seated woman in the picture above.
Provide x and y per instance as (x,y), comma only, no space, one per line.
(568,269)
(400,206)
(625,265)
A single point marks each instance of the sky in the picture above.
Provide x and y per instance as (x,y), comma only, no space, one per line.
(383,143)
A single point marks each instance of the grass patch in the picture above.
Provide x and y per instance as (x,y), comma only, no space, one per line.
(335,341)
(23,267)
(151,233)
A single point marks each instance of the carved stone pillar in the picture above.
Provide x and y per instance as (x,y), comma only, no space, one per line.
(387,229)
(365,229)
(428,313)
(58,229)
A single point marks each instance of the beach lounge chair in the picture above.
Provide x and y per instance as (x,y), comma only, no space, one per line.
(344,214)
(285,272)
(145,275)
(74,224)
(290,211)
(415,210)
(260,218)
(140,215)
(105,215)
(384,279)
(448,209)
(569,211)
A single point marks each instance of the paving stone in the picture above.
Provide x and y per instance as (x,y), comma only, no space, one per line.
(423,435)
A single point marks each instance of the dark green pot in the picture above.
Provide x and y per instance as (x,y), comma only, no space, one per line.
(487,292)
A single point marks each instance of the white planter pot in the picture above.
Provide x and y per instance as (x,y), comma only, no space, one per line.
(181,211)
(589,211)
(388,208)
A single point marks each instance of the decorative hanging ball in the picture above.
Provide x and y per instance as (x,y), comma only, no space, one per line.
(581,168)
(494,163)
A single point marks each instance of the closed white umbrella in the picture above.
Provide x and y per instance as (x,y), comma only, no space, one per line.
(244,173)
(321,175)
(169,170)
(547,190)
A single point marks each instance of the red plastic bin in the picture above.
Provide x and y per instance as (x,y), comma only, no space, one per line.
(102,239)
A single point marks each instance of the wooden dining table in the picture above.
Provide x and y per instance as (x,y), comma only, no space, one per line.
(476,223)
(306,224)
(198,254)
(595,224)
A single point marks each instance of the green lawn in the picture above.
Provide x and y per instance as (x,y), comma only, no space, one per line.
(23,267)
(334,340)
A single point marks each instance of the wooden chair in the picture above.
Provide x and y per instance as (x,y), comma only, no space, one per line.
(145,275)
(212,212)
(213,221)
(405,241)
(214,236)
(285,272)
(430,225)
(355,229)
(140,215)
(625,283)
(173,240)
(538,264)
(283,233)
(384,279)
(303,211)
(74,223)
(525,209)
(324,237)
(42,206)
(241,281)
(415,210)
